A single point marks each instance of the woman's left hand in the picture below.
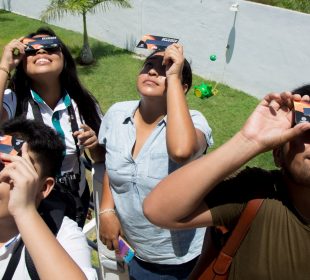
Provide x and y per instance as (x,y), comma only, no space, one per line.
(86,137)
(174,60)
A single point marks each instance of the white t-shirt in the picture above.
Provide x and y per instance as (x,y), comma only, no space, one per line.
(71,238)
(59,120)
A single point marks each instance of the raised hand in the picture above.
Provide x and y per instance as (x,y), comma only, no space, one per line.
(174,60)
(272,122)
(12,54)
(86,137)
(23,179)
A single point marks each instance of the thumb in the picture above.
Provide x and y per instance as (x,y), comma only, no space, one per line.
(295,131)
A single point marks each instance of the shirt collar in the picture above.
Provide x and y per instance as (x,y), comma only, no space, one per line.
(64,102)
(128,117)
(129,114)
(9,244)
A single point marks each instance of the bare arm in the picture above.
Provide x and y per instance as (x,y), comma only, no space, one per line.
(180,196)
(63,265)
(183,140)
(110,227)
(7,64)
(27,190)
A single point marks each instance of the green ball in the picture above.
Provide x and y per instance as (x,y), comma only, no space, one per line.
(212,57)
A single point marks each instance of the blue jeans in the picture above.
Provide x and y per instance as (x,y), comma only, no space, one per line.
(140,270)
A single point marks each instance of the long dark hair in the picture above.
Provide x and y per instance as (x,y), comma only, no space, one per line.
(86,102)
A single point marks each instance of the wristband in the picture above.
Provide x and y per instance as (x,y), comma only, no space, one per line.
(107,210)
(6,71)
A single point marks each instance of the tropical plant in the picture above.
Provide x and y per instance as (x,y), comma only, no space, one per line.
(58,8)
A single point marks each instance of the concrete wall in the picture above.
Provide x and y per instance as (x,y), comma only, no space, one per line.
(268,47)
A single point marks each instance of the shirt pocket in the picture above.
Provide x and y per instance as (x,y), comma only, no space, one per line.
(158,165)
(114,158)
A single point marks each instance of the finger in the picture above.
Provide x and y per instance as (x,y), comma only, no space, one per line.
(90,142)
(85,127)
(26,156)
(115,245)
(109,244)
(273,101)
(295,131)
(77,133)
(274,106)
(88,137)
(103,240)
(287,100)
(16,44)
(170,55)
(305,98)
(24,150)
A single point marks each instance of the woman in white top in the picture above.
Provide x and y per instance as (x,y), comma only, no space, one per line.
(46,81)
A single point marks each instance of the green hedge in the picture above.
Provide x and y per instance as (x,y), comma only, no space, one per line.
(297,5)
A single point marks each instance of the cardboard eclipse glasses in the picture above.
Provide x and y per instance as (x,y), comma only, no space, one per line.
(50,44)
(9,145)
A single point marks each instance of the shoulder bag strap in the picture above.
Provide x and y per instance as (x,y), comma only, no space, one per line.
(10,269)
(32,271)
(229,250)
(74,126)
(35,110)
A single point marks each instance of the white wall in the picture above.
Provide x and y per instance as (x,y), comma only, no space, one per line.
(269,47)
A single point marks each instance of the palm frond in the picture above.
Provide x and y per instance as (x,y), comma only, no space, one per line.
(104,5)
(59,8)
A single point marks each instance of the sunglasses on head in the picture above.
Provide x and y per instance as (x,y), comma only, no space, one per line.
(49,44)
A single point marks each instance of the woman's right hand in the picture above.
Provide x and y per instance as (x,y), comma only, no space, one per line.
(110,229)
(272,122)
(12,54)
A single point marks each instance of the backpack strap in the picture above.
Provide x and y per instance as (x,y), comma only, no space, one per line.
(36,110)
(32,271)
(222,263)
(10,269)
(52,212)
(74,125)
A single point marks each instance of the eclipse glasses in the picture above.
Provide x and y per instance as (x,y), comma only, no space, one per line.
(10,145)
(50,44)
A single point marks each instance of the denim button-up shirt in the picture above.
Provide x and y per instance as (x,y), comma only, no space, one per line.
(132,179)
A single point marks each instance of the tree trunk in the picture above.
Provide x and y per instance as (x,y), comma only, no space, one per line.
(86,56)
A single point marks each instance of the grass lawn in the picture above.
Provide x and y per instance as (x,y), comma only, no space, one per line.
(112,79)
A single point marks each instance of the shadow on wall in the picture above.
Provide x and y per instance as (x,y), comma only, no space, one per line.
(131,43)
(231,41)
(6,4)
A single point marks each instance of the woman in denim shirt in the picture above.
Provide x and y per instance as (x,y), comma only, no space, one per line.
(145,140)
